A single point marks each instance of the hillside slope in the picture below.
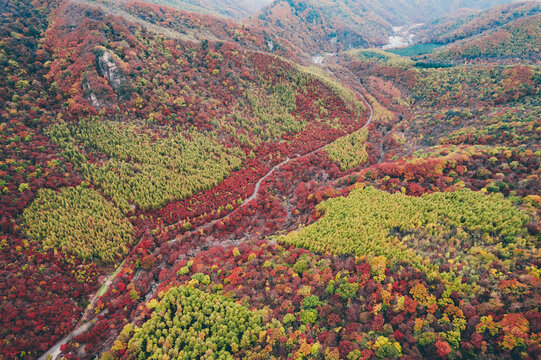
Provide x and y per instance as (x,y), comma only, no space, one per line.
(323,26)
(236,9)
(133,131)
(337,25)
(504,33)
(453,28)
(517,41)
(172,186)
(196,27)
(403,12)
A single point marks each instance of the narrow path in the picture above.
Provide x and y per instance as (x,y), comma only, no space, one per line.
(255,193)
(55,350)
(245,202)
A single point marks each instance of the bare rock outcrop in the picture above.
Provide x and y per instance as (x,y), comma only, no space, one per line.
(108,68)
(101,96)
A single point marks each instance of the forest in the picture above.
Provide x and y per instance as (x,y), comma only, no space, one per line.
(183,185)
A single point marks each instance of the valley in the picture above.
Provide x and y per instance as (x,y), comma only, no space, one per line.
(311,182)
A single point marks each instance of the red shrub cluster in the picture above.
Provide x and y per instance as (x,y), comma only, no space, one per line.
(202,27)
(507,172)
(43,296)
(41,291)
(351,305)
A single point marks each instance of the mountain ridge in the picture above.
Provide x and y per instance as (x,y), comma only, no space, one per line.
(337,25)
(506,33)
(234,9)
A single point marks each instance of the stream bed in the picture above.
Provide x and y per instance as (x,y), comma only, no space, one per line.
(403,36)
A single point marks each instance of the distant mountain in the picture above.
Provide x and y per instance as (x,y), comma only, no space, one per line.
(503,33)
(197,27)
(453,28)
(336,25)
(236,9)
(324,26)
(403,12)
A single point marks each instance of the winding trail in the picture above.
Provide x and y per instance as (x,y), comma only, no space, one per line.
(55,350)
(255,193)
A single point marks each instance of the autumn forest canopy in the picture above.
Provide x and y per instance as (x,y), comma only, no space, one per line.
(270,179)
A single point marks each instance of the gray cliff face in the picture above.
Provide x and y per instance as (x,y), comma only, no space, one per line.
(110,70)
